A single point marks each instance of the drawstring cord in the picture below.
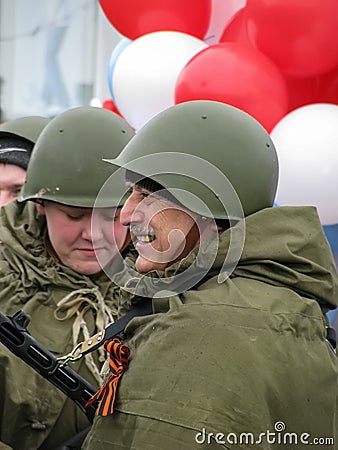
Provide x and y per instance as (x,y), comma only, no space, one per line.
(77,303)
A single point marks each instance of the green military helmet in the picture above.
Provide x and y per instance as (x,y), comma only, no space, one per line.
(218,134)
(28,128)
(66,164)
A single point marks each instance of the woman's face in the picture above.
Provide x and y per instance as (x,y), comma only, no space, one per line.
(83,244)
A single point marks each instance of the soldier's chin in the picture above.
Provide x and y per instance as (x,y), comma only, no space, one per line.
(87,268)
(144,265)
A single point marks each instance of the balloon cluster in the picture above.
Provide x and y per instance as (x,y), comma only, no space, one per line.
(275,59)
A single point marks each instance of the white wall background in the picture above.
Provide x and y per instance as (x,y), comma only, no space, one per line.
(53,55)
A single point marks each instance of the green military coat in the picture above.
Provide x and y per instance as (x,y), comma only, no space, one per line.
(33,413)
(246,357)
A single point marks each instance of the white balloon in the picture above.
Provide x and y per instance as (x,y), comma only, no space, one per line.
(306,141)
(146,72)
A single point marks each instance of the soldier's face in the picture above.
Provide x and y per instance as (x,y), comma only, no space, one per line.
(12,179)
(162,232)
(79,245)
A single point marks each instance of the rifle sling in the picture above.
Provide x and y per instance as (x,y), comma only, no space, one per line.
(142,308)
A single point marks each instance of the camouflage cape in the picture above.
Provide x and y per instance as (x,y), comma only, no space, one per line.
(33,413)
(248,355)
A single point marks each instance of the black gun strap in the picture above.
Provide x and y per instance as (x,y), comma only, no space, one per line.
(142,308)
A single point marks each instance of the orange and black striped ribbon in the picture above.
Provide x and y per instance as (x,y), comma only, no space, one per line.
(118,363)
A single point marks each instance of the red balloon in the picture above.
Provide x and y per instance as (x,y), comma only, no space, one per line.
(134,18)
(302,91)
(319,89)
(328,87)
(110,106)
(235,31)
(300,36)
(239,75)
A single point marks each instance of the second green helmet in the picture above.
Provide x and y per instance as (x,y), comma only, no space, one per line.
(193,137)
(66,164)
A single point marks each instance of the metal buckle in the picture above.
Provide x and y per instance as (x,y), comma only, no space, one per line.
(73,356)
(81,349)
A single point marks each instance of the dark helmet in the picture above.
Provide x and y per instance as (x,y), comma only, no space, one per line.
(28,128)
(17,139)
(230,140)
(66,165)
